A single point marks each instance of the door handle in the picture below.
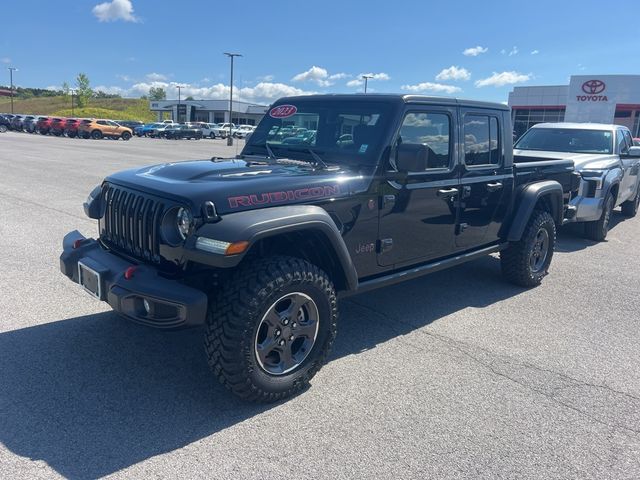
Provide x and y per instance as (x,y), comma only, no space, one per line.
(492,187)
(447,193)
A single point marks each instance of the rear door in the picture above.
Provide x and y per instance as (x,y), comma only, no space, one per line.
(486,181)
(418,213)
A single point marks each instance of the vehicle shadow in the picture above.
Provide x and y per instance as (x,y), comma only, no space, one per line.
(95,394)
(571,237)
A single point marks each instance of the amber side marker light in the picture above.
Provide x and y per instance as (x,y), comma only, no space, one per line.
(220,247)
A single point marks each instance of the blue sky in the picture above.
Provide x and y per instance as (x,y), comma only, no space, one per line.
(464,48)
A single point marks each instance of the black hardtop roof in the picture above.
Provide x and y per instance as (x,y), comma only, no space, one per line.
(395,98)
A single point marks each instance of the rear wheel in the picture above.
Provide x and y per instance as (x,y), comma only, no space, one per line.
(96,134)
(630,207)
(599,229)
(3,128)
(212,135)
(271,327)
(526,262)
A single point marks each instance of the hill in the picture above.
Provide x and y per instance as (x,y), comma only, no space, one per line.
(113,108)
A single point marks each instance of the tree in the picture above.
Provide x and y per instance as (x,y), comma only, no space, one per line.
(65,88)
(157,93)
(189,98)
(84,91)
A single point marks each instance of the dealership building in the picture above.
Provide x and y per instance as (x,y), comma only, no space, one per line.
(587,98)
(210,111)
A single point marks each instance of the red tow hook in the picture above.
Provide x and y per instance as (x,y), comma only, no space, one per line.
(78,242)
(128,273)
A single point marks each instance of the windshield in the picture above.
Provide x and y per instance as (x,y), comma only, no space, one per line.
(338,130)
(567,140)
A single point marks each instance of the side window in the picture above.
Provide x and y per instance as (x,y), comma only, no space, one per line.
(481,140)
(622,144)
(101,122)
(627,137)
(431,130)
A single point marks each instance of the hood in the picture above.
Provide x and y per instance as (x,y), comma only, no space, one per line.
(235,185)
(581,161)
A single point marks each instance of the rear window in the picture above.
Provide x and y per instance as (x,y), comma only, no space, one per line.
(572,140)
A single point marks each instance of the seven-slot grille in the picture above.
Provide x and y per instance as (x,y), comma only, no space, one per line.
(131,223)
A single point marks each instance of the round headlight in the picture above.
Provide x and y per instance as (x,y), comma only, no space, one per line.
(184,220)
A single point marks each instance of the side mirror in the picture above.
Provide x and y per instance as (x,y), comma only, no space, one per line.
(633,152)
(412,157)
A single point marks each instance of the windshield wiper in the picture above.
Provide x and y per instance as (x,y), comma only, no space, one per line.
(272,155)
(318,159)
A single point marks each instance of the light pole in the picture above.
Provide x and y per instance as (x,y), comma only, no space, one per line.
(178,115)
(231,55)
(366,77)
(11,70)
(72,92)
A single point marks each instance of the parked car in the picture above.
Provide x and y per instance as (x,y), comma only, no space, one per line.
(204,127)
(71,127)
(103,128)
(182,131)
(243,130)
(605,159)
(132,124)
(222,129)
(30,124)
(158,130)
(259,255)
(4,123)
(144,130)
(57,126)
(44,125)
(16,123)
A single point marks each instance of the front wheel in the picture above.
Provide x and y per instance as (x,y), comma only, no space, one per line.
(125,136)
(599,229)
(526,262)
(3,128)
(271,327)
(630,207)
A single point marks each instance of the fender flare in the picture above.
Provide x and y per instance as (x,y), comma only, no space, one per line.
(611,179)
(255,225)
(526,201)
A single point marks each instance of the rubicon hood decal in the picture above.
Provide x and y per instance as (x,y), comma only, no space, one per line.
(283,196)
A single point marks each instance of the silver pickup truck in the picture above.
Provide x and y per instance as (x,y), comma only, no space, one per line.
(605,159)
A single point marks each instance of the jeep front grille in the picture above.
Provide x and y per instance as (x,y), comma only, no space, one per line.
(131,223)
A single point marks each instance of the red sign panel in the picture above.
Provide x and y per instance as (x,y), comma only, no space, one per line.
(283,111)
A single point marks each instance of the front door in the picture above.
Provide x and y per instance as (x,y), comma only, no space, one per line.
(485,180)
(418,212)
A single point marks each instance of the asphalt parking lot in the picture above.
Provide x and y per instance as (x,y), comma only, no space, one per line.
(455,375)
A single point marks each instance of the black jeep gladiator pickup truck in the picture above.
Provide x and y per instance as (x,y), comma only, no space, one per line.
(380,189)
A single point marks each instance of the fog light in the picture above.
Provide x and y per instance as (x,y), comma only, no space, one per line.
(147,306)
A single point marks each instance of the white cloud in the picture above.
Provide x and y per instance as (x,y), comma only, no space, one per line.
(316,75)
(156,77)
(111,90)
(431,87)
(338,76)
(356,82)
(503,78)
(453,73)
(5,60)
(475,51)
(124,78)
(115,10)
(514,51)
(267,78)
(535,52)
(53,87)
(263,92)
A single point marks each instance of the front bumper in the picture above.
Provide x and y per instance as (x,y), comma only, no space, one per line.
(172,304)
(588,209)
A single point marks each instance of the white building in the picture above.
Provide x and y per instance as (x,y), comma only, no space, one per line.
(587,98)
(210,111)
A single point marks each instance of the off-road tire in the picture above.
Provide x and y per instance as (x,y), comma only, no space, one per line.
(515,260)
(236,312)
(630,207)
(599,229)
(125,136)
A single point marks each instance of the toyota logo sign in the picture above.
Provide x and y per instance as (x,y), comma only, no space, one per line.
(593,87)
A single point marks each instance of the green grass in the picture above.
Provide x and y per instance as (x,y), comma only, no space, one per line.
(112,108)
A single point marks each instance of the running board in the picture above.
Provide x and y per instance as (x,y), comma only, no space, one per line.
(421,270)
